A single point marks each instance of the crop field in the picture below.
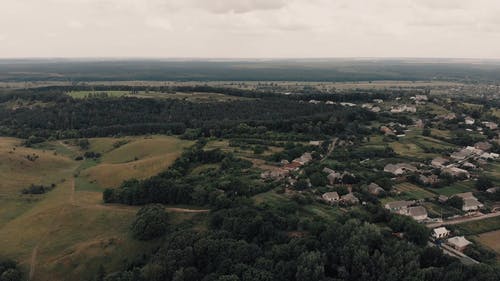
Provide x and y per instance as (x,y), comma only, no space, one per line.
(458,187)
(67,233)
(413,192)
(414,145)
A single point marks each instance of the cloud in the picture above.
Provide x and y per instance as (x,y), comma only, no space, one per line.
(240,6)
(160,23)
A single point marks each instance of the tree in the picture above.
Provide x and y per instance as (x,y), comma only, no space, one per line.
(483,183)
(456,202)
(310,266)
(151,222)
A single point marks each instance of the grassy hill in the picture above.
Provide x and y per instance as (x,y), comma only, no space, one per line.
(68,233)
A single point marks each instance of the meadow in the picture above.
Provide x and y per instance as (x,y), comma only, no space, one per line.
(68,233)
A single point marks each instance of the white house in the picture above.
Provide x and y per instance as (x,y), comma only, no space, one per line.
(458,242)
(440,232)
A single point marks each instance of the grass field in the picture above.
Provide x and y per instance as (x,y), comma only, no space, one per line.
(139,158)
(458,187)
(414,145)
(412,191)
(192,97)
(479,226)
(490,240)
(67,233)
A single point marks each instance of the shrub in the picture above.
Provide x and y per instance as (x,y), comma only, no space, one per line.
(151,222)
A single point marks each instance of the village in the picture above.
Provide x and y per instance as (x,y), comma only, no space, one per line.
(451,165)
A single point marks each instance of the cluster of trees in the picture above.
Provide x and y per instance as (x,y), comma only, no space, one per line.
(38,189)
(9,271)
(256,243)
(179,185)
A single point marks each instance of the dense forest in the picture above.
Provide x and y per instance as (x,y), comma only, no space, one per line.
(269,70)
(60,116)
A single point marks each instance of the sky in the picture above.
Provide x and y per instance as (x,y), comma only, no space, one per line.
(250,28)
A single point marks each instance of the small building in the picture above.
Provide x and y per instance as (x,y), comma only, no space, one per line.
(350,199)
(439,162)
(449,116)
(458,242)
(421,98)
(455,172)
(428,180)
(334,177)
(378,100)
(396,206)
(331,197)
(470,202)
(483,145)
(399,169)
(386,131)
(440,232)
(304,159)
(375,109)
(375,189)
(328,170)
(469,120)
(294,166)
(490,125)
(493,190)
(315,143)
(442,198)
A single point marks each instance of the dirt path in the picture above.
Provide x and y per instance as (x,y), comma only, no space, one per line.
(464,220)
(34,253)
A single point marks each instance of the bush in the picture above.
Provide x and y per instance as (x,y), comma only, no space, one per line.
(151,222)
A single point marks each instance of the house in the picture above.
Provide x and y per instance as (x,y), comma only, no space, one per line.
(421,98)
(347,104)
(470,202)
(386,130)
(469,151)
(375,109)
(455,172)
(482,145)
(329,102)
(403,108)
(490,125)
(419,123)
(449,116)
(375,189)
(439,162)
(366,105)
(491,155)
(458,242)
(294,166)
(350,199)
(315,143)
(328,170)
(334,177)
(493,190)
(331,197)
(442,198)
(399,169)
(469,120)
(440,232)
(304,159)
(378,101)
(274,174)
(418,213)
(314,101)
(428,180)
(396,206)
(468,165)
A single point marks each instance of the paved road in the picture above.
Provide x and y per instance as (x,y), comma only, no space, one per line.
(454,253)
(464,220)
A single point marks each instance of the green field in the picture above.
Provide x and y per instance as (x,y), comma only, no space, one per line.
(479,226)
(411,191)
(458,187)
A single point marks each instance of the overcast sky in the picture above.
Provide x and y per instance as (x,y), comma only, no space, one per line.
(250,28)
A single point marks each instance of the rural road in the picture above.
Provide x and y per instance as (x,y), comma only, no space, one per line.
(463,220)
(34,253)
